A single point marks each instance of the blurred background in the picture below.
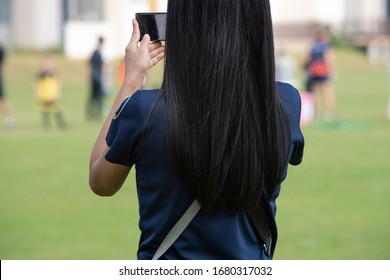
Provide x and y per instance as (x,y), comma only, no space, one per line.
(73,25)
(335,205)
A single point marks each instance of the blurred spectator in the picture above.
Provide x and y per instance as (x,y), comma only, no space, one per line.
(47,93)
(96,63)
(5,106)
(388,109)
(320,67)
(121,72)
(379,53)
(285,67)
(107,79)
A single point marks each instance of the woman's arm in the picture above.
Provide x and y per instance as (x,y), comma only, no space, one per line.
(106,178)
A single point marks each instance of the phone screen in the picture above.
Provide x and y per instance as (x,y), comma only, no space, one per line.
(152,24)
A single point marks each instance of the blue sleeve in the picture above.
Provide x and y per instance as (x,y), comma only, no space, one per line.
(291,101)
(297,138)
(296,133)
(124,132)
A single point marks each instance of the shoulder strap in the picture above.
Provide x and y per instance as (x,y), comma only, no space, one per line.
(263,221)
(178,228)
(261,218)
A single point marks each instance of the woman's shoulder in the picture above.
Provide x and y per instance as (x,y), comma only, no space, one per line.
(288,93)
(146,98)
(140,102)
(290,99)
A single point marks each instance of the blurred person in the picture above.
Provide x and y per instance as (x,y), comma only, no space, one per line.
(5,106)
(320,66)
(95,101)
(107,82)
(388,109)
(285,68)
(219,132)
(121,72)
(47,93)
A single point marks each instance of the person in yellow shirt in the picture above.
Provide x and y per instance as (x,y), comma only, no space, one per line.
(47,94)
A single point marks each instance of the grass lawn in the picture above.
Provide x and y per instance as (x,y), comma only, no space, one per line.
(333,206)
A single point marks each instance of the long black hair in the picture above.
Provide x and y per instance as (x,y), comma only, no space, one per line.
(225,122)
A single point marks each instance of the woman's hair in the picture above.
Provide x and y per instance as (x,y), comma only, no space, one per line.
(226,125)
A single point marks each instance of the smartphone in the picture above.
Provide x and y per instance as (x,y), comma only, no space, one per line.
(152,24)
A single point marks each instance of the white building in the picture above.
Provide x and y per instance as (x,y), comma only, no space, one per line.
(74,25)
(333,12)
(360,19)
(112,21)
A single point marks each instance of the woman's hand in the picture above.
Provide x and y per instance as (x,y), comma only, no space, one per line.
(139,58)
(106,178)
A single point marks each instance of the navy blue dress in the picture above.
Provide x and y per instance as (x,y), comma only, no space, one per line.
(162,197)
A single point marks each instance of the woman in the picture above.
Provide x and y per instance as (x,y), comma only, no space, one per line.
(320,66)
(218,130)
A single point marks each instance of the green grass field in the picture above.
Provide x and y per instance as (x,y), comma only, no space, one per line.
(333,206)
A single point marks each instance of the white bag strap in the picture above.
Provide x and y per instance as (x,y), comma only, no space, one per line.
(178,228)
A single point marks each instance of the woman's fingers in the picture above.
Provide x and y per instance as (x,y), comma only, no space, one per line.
(154,46)
(156,50)
(157,55)
(145,42)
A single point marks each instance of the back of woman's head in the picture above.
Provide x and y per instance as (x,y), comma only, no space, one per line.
(225,121)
